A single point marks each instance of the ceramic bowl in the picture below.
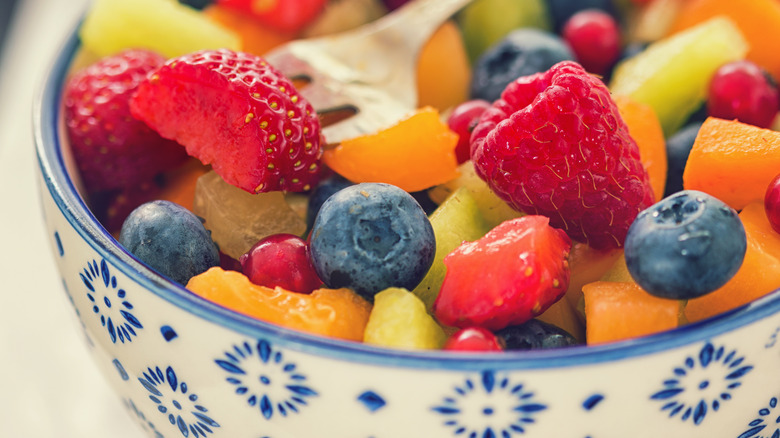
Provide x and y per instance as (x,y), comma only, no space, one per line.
(187,368)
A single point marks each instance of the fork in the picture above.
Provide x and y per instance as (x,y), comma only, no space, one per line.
(363,80)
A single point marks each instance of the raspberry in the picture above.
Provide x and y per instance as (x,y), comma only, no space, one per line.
(236,112)
(555,144)
(111,148)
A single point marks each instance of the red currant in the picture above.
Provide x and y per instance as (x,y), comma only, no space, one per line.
(594,37)
(281,260)
(473,339)
(744,91)
(462,121)
(772,203)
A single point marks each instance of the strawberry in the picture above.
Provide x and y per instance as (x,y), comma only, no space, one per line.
(112,149)
(554,144)
(236,112)
(284,15)
(513,273)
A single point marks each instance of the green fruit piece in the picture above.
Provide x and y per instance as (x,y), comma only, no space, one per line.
(399,320)
(672,74)
(455,220)
(493,209)
(167,27)
(485,22)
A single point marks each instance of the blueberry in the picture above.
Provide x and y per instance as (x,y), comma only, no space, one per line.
(197,4)
(562,10)
(522,52)
(371,236)
(322,192)
(678,147)
(534,335)
(170,239)
(685,245)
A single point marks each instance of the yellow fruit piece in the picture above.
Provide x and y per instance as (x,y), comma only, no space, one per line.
(733,161)
(617,311)
(758,275)
(399,320)
(167,27)
(415,154)
(645,128)
(443,69)
(337,313)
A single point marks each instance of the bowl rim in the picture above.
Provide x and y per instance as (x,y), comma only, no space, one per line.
(51,162)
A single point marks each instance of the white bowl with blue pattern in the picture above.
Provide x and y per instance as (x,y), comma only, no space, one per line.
(187,368)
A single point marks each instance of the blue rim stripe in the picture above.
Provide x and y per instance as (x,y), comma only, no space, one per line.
(46,113)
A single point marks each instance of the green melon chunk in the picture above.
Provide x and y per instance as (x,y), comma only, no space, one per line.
(493,209)
(672,74)
(399,320)
(167,27)
(485,22)
(457,219)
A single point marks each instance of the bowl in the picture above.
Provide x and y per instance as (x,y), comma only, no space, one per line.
(186,367)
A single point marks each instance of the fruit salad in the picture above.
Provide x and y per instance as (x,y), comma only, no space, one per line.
(574,173)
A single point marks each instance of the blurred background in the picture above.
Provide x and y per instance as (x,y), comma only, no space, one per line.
(48,385)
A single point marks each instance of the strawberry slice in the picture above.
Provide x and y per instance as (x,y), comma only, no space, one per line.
(512,274)
(284,15)
(236,112)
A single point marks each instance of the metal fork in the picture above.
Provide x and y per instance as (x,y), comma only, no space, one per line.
(363,80)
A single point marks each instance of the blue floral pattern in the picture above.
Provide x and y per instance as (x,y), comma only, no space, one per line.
(147,425)
(174,400)
(109,302)
(504,408)
(266,379)
(702,383)
(767,424)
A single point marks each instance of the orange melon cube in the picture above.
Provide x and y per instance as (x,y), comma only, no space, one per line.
(733,161)
(586,265)
(443,69)
(646,130)
(758,275)
(255,38)
(415,154)
(759,21)
(337,313)
(617,311)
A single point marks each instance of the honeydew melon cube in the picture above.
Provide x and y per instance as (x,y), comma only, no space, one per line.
(457,219)
(167,27)
(399,320)
(672,75)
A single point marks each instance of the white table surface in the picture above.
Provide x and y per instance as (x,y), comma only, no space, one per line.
(48,385)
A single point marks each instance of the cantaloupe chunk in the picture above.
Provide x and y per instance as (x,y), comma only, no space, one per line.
(618,311)
(443,69)
(759,21)
(758,275)
(586,265)
(645,128)
(338,313)
(415,154)
(733,161)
